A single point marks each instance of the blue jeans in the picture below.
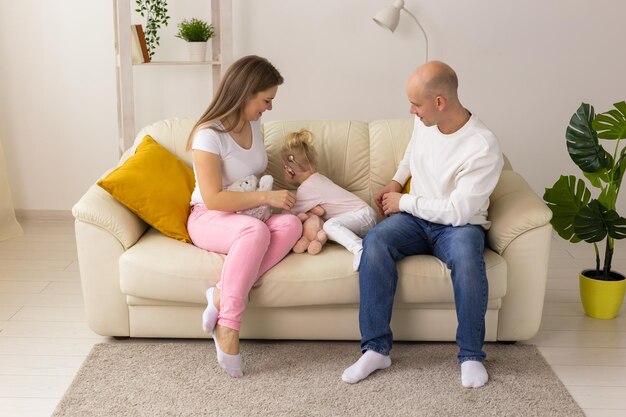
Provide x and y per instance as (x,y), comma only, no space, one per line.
(460,248)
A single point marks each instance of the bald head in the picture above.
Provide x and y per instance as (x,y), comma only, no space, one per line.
(435,78)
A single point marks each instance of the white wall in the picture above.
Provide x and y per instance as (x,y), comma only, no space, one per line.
(524,68)
(57,106)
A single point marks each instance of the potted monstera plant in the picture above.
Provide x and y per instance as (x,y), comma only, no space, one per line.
(579,217)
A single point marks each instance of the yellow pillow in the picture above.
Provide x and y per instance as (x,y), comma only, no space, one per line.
(407,187)
(156,186)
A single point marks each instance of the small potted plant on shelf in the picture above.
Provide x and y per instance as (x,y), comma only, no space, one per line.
(577,217)
(196,32)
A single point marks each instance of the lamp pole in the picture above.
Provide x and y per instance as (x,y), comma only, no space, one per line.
(421,28)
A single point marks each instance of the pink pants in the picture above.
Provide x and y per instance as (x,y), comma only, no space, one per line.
(252,248)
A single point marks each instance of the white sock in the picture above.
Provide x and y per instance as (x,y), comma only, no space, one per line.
(209,316)
(232,364)
(369,362)
(473,374)
(357,259)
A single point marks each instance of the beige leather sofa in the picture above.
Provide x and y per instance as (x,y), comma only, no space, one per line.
(137,282)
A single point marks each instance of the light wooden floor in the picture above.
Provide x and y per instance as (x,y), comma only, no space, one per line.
(44,338)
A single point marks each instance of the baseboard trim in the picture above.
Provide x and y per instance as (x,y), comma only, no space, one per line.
(47,215)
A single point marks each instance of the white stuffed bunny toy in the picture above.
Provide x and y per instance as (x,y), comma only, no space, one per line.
(251,183)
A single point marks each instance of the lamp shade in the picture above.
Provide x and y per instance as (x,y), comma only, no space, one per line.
(390,15)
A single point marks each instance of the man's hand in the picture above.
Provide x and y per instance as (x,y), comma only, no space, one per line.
(391,203)
(392,187)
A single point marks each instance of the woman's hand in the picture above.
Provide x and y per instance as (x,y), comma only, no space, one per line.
(281,199)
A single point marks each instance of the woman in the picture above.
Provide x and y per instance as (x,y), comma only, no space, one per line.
(226,145)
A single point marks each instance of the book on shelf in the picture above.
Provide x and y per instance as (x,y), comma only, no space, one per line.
(139,47)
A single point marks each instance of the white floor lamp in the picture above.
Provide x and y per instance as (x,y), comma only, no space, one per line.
(390,15)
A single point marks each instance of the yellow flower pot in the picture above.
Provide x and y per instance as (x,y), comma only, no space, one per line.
(601,299)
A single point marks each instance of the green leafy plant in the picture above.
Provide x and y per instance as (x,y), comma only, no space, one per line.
(195,30)
(577,216)
(155,12)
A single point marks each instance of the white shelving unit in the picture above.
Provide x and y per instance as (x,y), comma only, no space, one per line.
(221,47)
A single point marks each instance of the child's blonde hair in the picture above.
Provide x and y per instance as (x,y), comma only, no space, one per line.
(299,145)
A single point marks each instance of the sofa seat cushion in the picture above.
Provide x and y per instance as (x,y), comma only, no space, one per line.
(328,278)
(161,268)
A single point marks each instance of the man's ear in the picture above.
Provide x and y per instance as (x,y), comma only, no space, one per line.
(440,102)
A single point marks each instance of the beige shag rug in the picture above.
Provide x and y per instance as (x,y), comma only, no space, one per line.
(293,378)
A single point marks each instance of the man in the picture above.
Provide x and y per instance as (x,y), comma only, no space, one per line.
(453,162)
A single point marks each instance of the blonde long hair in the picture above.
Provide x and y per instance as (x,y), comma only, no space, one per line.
(299,145)
(245,78)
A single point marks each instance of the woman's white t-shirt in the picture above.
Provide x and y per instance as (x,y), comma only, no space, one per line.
(237,162)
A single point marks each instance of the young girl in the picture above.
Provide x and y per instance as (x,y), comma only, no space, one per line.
(227,145)
(347,217)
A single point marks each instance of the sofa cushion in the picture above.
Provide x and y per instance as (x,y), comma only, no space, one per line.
(172,134)
(388,141)
(160,268)
(342,147)
(328,278)
(156,186)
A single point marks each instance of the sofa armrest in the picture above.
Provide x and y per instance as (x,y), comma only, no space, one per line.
(514,209)
(99,208)
(521,233)
(99,252)
(104,229)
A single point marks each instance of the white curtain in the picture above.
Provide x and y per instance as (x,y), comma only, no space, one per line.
(9,227)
